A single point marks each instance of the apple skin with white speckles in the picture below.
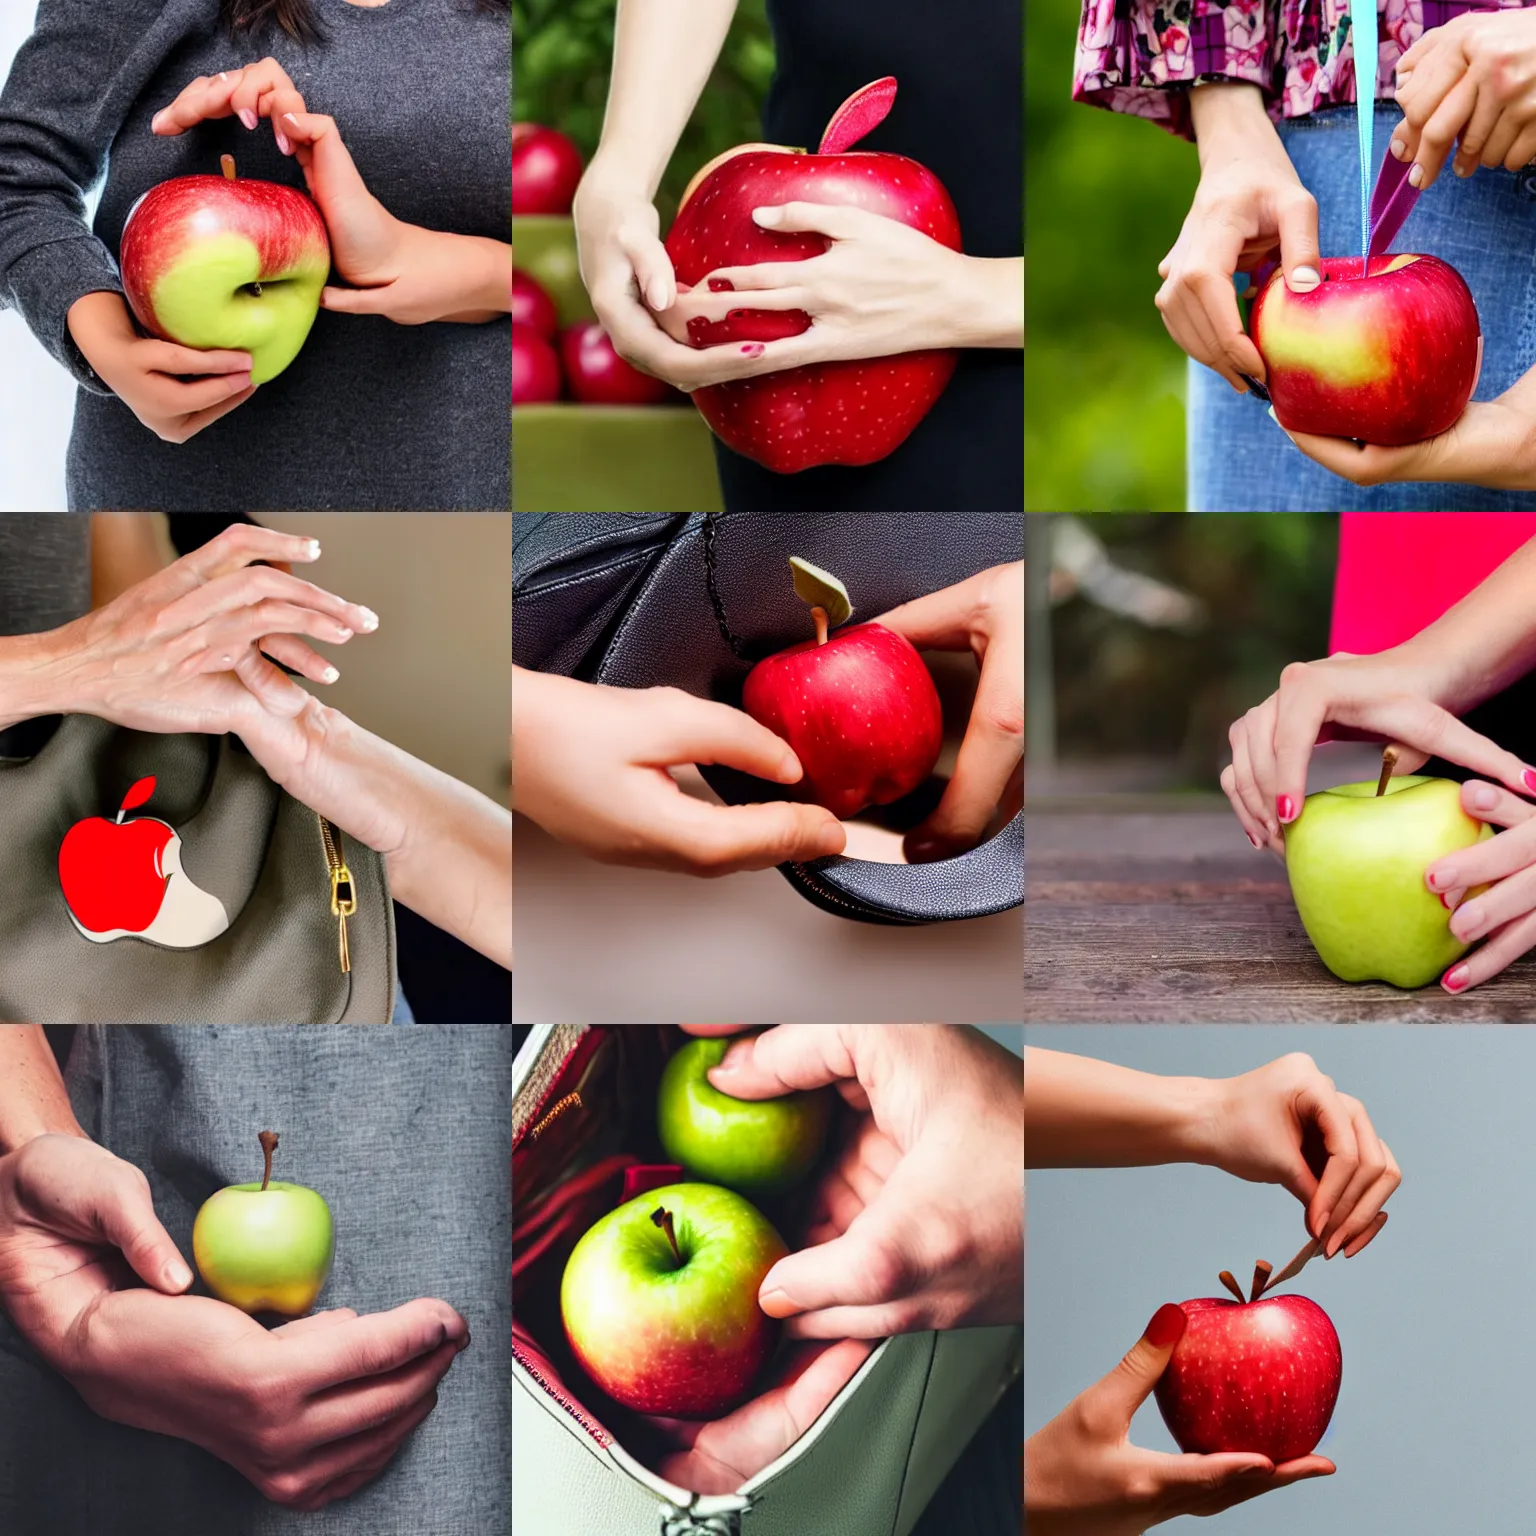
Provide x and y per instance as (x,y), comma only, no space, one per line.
(1262,1376)
(861,713)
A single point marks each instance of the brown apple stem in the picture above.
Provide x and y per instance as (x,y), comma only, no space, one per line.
(1388,763)
(1231,1284)
(1261,1273)
(268,1141)
(663,1219)
(227,165)
(819,618)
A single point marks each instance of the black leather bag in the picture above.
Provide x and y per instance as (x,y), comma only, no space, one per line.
(693,600)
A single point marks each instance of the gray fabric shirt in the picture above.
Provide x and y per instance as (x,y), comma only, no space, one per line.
(372,415)
(45,571)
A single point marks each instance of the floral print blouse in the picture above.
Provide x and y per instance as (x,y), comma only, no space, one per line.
(1141,56)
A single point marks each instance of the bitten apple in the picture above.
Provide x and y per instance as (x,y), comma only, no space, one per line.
(1260,1376)
(218,262)
(659,1300)
(1388,357)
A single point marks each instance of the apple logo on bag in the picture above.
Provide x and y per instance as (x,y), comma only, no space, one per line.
(123,879)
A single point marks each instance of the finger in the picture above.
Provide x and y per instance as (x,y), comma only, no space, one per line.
(1254,730)
(254,594)
(244,628)
(1360,463)
(194,397)
(122,1212)
(241,544)
(356,1407)
(948,620)
(329,1318)
(655,279)
(761,278)
(1504,946)
(731,839)
(1487,117)
(1428,728)
(711,1031)
(836,221)
(1350,1214)
(1301,254)
(204,99)
(377,1343)
(686,729)
(1128,1386)
(1322,1106)
(1240,1489)
(1365,1220)
(275,692)
(1300,710)
(1366,1237)
(357,301)
(1186,1478)
(701,306)
(343,1466)
(1255,834)
(1497,857)
(179,362)
(1519,154)
(1503,902)
(290,652)
(1440,132)
(1217,299)
(1434,78)
(790,1058)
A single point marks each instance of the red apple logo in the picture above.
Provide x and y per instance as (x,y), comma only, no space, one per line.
(124,879)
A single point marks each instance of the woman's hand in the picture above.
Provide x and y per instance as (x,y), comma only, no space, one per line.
(188,649)
(879,288)
(984,615)
(1472,80)
(1505,914)
(1395,696)
(175,391)
(589,765)
(258,91)
(1250,208)
(1083,1477)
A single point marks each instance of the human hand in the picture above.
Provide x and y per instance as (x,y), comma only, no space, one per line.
(1472,80)
(920,1223)
(1505,914)
(187,649)
(308,1412)
(589,765)
(175,391)
(719,1455)
(984,615)
(1250,207)
(1394,696)
(258,91)
(1287,1124)
(1083,1477)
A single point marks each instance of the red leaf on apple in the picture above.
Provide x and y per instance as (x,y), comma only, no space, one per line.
(138,794)
(862,113)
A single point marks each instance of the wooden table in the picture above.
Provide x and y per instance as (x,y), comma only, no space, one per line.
(1156,910)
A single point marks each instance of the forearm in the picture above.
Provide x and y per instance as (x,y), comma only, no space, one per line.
(33,678)
(1228,114)
(1081,1113)
(989,309)
(486,266)
(663,51)
(33,1100)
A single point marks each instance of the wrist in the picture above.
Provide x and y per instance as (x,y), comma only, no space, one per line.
(984,304)
(1193,1111)
(1230,120)
(622,172)
(35,676)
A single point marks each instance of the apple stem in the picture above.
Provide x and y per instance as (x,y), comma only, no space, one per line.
(1388,763)
(1229,1280)
(227,165)
(819,618)
(268,1141)
(1261,1273)
(663,1219)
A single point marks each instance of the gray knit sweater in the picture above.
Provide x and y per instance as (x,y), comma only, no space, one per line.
(372,415)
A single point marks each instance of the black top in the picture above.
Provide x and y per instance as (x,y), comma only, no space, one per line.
(960,111)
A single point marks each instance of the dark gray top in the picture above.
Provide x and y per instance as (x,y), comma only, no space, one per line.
(45,570)
(372,414)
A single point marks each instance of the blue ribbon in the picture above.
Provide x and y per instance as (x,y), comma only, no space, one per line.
(1363,29)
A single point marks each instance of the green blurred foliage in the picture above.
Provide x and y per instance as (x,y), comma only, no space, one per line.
(1105,195)
(1266,580)
(561,54)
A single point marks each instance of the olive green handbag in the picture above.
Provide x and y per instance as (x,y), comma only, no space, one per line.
(867,1467)
(165,879)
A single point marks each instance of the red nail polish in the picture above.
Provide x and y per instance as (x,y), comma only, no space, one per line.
(1285,808)
(1252,839)
(1528,778)
(721,285)
(1455,980)
(752,349)
(1445,902)
(1166,1327)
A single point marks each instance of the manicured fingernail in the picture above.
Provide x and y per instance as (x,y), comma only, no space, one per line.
(1254,387)
(156,121)
(1484,797)
(721,285)
(370,619)
(247,117)
(1303,280)
(1285,809)
(656,295)
(1166,1327)
(752,349)
(1528,779)
(283,143)
(1252,839)
(1334,1244)
(342,632)
(312,549)
(224,76)
(1455,979)
(766,216)
(1461,169)
(1416,177)
(1321,1224)
(1445,901)
(1439,879)
(178,1276)
(329,675)
(1468,922)
(830,840)
(1397,148)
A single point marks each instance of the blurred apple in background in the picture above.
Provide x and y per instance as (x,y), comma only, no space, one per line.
(535,367)
(596,375)
(533,307)
(546,166)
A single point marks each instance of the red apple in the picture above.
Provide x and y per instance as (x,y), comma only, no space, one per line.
(532,306)
(545,169)
(535,367)
(1259,1376)
(860,711)
(125,878)
(597,375)
(1388,358)
(214,262)
(827,413)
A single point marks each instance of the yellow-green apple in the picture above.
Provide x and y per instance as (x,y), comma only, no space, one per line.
(218,262)
(757,1146)
(1258,1376)
(659,1300)
(1356,861)
(265,1247)
(1390,356)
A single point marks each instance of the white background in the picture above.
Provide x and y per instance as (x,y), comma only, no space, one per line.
(37,397)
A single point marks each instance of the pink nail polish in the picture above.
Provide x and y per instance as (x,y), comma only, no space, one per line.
(283,144)
(1455,979)
(1285,808)
(247,117)
(1528,778)
(1252,839)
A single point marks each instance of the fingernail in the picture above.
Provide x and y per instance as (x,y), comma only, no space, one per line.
(247,117)
(1321,1224)
(1255,1472)
(1166,1327)
(343,632)
(1254,387)
(830,840)
(1468,922)
(156,121)
(752,349)
(1461,170)
(1445,901)
(656,295)
(1334,1244)
(178,1275)
(766,216)
(223,76)
(1252,839)
(721,285)
(1285,809)
(1416,177)
(329,675)
(1528,779)
(1397,149)
(312,549)
(924,850)
(1303,280)
(1485,796)
(1439,879)
(1455,979)
(370,619)
(283,143)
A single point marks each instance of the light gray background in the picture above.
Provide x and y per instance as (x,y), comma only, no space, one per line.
(1432,1430)
(37,398)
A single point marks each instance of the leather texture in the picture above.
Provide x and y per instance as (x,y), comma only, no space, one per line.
(694,602)
(243,840)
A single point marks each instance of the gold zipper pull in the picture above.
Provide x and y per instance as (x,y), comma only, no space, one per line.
(343,905)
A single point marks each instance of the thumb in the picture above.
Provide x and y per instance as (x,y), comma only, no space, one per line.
(725,839)
(124,1216)
(1127,1387)
(354,301)
(789,1058)
(837,222)
(1299,252)
(653,272)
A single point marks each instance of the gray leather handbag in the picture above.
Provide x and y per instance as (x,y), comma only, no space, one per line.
(866,1467)
(165,879)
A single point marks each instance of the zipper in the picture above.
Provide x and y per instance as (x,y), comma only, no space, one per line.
(343,891)
(565,1400)
(823,896)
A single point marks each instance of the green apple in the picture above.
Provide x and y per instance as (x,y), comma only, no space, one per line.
(265,1247)
(659,1300)
(757,1146)
(1356,862)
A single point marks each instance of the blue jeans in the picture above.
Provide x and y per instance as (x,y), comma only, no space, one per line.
(1240,461)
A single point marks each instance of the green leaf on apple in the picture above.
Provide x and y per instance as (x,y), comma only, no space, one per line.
(821,589)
